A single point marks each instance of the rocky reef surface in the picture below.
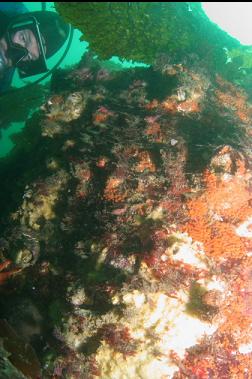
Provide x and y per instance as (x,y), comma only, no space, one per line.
(126,228)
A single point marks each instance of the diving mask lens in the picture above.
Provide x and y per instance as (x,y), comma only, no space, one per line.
(16,53)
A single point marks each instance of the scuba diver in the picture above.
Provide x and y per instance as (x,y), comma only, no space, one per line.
(27,39)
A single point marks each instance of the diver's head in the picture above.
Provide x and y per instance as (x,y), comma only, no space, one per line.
(29,40)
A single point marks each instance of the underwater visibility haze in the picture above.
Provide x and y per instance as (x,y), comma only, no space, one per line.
(126,200)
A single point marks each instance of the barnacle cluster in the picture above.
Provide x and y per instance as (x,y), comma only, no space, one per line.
(39,205)
(60,110)
(190,95)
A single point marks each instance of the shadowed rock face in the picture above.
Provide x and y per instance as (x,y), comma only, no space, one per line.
(18,359)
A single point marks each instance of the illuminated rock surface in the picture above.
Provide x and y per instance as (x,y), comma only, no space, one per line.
(131,225)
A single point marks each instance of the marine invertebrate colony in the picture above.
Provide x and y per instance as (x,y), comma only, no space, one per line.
(134,229)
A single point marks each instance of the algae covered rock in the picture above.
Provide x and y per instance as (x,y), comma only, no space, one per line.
(142,30)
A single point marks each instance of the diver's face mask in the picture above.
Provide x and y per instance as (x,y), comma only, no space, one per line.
(20,55)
